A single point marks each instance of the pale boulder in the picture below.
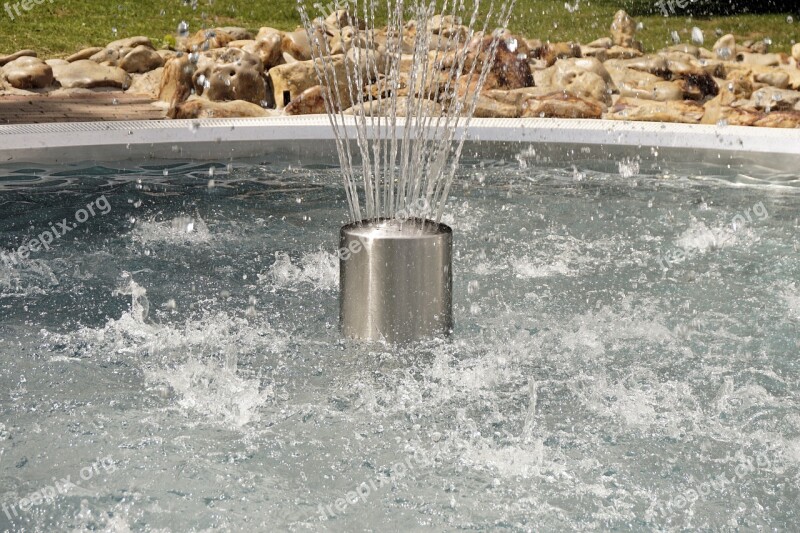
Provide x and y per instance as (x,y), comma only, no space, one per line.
(234,75)
(11,57)
(28,73)
(88,75)
(654,111)
(141,59)
(202,108)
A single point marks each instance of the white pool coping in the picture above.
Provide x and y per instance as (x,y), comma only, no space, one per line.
(222,138)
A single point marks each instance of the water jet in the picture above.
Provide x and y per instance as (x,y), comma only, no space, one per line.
(399,287)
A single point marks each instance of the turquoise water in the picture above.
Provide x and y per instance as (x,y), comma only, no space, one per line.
(625,354)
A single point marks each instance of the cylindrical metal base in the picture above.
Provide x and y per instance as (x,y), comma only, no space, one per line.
(396,280)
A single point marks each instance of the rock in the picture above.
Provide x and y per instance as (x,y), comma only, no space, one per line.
(584,78)
(202,108)
(309,102)
(653,111)
(794,77)
(683,66)
(241,43)
(629,78)
(148,84)
(560,105)
(88,75)
(725,47)
(341,18)
(764,60)
(438,23)
(487,107)
(382,37)
(510,69)
(291,79)
(205,40)
(603,42)
(347,38)
(779,119)
(516,97)
(623,31)
(661,91)
(28,73)
(773,78)
(234,75)
(238,33)
(621,52)
(384,107)
(653,64)
(267,31)
(297,44)
(795,53)
(106,56)
(177,80)
(749,117)
(54,62)
(86,53)
(598,53)
(268,50)
(141,59)
(130,43)
(770,99)
(549,53)
(11,57)
(689,49)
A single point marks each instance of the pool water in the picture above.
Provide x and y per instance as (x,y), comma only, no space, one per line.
(625,355)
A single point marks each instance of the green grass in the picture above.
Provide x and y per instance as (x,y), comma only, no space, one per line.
(60,27)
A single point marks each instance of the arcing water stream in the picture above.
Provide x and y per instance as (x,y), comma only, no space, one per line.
(395,127)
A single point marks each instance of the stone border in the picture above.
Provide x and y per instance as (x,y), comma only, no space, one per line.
(220,139)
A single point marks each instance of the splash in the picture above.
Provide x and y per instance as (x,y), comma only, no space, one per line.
(320,270)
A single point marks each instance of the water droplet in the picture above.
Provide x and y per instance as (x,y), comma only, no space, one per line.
(676,38)
(473,286)
(165,172)
(183,28)
(790,19)
(697,36)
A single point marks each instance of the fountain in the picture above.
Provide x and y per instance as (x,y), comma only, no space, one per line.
(395,131)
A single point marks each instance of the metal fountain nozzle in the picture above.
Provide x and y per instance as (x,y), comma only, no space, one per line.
(396,280)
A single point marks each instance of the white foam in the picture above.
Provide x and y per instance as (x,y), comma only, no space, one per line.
(319,270)
(211,389)
(27,277)
(177,231)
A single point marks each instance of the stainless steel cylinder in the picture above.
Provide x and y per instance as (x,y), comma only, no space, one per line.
(396,280)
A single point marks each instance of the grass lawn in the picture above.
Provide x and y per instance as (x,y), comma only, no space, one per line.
(59,27)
